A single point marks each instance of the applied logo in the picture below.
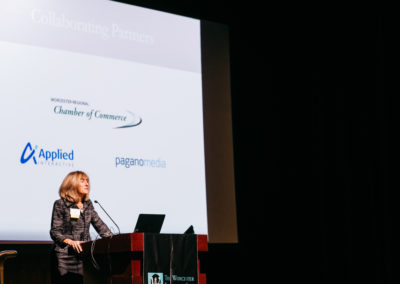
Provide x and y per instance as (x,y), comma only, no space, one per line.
(43,156)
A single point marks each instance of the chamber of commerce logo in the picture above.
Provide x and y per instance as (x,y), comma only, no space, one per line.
(46,157)
(155,278)
(83,110)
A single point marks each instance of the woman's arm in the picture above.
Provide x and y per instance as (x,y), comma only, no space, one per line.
(57,224)
(98,224)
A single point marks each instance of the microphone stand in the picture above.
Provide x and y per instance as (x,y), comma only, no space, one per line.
(119,231)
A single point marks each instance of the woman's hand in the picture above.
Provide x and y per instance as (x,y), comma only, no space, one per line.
(76,245)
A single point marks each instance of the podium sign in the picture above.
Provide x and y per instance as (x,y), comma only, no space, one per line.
(140,258)
(170,258)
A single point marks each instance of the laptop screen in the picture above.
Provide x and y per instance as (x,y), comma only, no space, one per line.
(149,223)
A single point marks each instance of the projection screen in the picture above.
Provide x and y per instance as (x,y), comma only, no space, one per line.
(112,89)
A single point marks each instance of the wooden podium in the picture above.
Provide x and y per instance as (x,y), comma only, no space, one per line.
(119,260)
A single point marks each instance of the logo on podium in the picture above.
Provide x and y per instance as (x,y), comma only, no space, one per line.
(155,278)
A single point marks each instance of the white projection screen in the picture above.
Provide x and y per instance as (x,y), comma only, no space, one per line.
(113,90)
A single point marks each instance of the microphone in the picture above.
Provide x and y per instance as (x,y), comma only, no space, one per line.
(119,232)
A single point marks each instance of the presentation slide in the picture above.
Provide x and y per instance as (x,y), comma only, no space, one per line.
(111,89)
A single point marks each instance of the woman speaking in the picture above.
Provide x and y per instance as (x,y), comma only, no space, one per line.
(72,215)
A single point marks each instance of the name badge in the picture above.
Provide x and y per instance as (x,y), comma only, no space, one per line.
(75,213)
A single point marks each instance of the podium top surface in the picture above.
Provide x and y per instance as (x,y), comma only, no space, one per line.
(131,242)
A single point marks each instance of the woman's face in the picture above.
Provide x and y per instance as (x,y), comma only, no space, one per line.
(83,186)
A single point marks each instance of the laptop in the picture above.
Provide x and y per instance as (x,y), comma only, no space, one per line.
(149,223)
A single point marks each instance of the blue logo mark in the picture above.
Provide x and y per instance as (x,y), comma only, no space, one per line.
(25,159)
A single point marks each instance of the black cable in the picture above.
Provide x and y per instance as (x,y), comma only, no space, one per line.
(94,262)
(171,258)
(108,255)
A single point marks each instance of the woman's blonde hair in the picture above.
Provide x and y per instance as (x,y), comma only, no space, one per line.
(70,185)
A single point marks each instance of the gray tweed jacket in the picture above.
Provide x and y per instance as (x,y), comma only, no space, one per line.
(77,229)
